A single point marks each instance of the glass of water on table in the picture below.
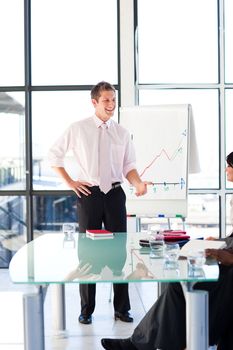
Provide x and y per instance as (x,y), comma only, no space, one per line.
(171,255)
(156,241)
(196,261)
(68,230)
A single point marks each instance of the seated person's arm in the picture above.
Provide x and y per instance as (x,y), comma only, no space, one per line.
(211,238)
(224,256)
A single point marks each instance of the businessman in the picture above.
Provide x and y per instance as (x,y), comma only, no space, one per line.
(104,155)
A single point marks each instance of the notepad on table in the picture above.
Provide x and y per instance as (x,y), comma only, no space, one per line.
(99,234)
(200,244)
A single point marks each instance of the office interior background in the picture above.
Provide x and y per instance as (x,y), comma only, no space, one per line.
(154,52)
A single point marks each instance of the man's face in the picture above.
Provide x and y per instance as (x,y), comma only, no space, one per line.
(105,106)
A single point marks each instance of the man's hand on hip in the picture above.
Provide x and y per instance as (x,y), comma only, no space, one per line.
(80,187)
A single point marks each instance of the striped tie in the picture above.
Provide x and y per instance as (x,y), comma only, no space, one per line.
(104,160)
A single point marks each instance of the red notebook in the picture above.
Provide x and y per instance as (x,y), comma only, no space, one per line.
(174,232)
(99,233)
(175,235)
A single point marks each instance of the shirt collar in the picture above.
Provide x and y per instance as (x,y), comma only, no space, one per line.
(99,122)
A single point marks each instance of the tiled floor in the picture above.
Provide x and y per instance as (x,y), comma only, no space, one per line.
(142,296)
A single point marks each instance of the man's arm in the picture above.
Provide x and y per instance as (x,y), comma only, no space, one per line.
(77,186)
(135,180)
(56,157)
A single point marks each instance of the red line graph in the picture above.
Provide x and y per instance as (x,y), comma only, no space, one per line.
(163,151)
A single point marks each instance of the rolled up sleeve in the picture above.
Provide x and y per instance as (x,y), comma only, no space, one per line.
(130,158)
(58,150)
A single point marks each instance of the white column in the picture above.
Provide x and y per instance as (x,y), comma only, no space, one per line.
(33,305)
(58,310)
(197,320)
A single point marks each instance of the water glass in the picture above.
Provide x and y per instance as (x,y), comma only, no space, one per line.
(68,230)
(196,260)
(171,255)
(156,241)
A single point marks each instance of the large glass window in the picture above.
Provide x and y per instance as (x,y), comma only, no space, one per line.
(228,41)
(203,215)
(179,59)
(12,42)
(12,227)
(229,122)
(52,211)
(66,43)
(53,112)
(12,141)
(74,42)
(177,41)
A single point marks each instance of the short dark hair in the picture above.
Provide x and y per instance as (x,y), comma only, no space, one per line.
(98,88)
(229,159)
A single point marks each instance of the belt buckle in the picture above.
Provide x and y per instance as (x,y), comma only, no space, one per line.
(115,185)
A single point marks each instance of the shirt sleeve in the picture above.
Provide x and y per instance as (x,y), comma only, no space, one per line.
(59,149)
(130,157)
(229,242)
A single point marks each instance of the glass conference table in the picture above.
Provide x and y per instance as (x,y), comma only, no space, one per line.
(53,259)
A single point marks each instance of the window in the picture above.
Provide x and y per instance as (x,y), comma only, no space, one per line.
(176,42)
(52,211)
(66,49)
(179,59)
(183,54)
(12,42)
(12,141)
(74,43)
(13,227)
(228,41)
(229,121)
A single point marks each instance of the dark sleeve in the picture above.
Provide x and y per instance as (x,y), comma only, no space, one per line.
(229,241)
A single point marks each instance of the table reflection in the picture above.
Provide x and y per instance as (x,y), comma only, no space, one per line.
(96,256)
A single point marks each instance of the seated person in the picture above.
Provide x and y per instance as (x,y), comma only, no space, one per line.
(164,325)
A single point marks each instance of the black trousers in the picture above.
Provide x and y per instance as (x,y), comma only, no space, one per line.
(94,211)
(164,325)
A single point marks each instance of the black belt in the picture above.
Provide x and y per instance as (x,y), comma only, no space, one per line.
(116,184)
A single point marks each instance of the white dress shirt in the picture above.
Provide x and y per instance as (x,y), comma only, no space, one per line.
(82,138)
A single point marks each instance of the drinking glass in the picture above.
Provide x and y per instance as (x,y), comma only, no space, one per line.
(171,255)
(68,230)
(156,241)
(196,260)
